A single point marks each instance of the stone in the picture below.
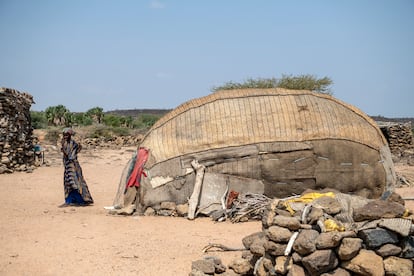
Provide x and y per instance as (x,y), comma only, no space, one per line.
(260,269)
(248,240)
(320,261)
(328,204)
(365,263)
(205,266)
(305,243)
(374,238)
(283,264)
(378,209)
(398,266)
(314,215)
(240,266)
(278,234)
(149,212)
(168,205)
(407,246)
(257,247)
(182,210)
(332,239)
(297,259)
(219,267)
(388,250)
(296,270)
(291,223)
(349,248)
(337,272)
(275,249)
(267,218)
(195,272)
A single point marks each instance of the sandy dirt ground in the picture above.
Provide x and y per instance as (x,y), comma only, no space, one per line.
(38,238)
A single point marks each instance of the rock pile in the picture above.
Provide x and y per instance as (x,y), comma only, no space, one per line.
(399,137)
(116,141)
(325,234)
(16,140)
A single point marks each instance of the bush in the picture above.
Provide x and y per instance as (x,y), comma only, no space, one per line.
(53,135)
(38,119)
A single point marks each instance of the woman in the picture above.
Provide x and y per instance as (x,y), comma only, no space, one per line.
(76,190)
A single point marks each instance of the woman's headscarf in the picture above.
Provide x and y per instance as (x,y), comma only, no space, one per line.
(69,131)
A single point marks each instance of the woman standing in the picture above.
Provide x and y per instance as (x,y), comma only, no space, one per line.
(76,189)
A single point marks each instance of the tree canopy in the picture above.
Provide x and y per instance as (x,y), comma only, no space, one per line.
(301,82)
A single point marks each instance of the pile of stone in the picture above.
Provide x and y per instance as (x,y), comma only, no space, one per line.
(116,141)
(399,136)
(325,234)
(16,139)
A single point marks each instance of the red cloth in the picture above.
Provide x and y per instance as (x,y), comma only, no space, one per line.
(135,177)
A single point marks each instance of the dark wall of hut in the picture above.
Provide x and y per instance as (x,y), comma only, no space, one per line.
(16,139)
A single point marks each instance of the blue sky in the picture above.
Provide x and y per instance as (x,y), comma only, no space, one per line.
(129,54)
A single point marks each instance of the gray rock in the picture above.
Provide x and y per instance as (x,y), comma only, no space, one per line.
(305,243)
(168,205)
(328,204)
(388,250)
(248,240)
(257,247)
(278,234)
(320,261)
(407,246)
(314,215)
(275,249)
(241,266)
(205,266)
(377,209)
(377,237)
(349,248)
(291,223)
(332,239)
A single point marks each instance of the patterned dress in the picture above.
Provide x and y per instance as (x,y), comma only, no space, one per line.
(76,189)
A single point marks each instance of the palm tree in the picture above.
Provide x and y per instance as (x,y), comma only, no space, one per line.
(96,114)
(57,115)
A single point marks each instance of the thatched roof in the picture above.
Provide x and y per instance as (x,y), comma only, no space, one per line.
(240,117)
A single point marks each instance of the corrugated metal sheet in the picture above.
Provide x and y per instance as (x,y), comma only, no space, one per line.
(249,116)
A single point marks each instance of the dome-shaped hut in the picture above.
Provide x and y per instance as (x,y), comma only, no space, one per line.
(273,141)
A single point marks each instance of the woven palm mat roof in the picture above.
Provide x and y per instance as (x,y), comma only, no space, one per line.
(240,117)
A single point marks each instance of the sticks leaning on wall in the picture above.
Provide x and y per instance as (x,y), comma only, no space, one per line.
(193,201)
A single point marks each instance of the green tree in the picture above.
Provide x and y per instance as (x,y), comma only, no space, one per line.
(306,82)
(112,120)
(57,115)
(301,82)
(96,114)
(38,119)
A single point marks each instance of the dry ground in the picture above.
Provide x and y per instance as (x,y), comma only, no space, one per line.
(38,238)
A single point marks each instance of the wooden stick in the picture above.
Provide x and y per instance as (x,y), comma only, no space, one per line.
(222,247)
(193,201)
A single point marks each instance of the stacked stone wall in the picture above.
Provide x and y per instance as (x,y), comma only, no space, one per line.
(400,138)
(341,235)
(16,139)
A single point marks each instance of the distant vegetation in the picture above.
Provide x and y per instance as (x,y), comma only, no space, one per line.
(301,82)
(97,122)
